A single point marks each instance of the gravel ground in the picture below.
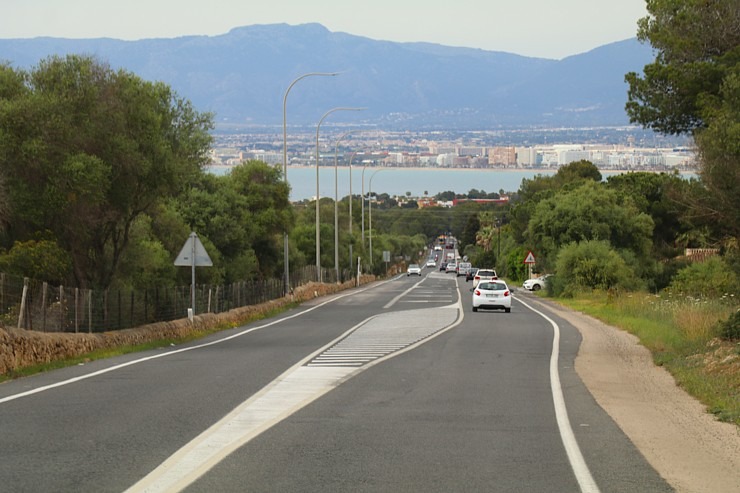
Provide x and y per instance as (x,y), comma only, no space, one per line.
(687,446)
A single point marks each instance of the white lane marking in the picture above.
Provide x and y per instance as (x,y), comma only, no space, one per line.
(182,350)
(394,300)
(407,327)
(575,457)
(293,390)
(277,401)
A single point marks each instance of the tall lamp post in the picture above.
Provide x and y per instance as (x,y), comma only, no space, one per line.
(351,259)
(286,274)
(370,214)
(318,196)
(336,204)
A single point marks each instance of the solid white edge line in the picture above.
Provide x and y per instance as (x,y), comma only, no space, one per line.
(167,470)
(182,350)
(575,457)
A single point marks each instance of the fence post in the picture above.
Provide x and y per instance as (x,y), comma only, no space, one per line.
(61,309)
(89,311)
(23,303)
(77,302)
(44,287)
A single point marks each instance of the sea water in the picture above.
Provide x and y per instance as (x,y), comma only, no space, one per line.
(414,182)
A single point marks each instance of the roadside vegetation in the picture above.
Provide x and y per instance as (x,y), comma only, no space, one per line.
(102,178)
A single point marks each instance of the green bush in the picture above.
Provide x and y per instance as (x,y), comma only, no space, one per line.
(730,328)
(590,265)
(712,278)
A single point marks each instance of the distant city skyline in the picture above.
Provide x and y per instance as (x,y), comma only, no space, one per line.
(537,28)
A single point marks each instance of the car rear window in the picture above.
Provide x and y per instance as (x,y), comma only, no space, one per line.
(485,273)
(492,286)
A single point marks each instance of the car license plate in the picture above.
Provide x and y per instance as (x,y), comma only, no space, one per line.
(492,295)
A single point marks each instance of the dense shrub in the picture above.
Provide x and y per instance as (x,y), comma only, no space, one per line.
(730,328)
(712,278)
(593,265)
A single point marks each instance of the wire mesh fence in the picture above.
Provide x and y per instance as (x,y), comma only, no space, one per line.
(35,305)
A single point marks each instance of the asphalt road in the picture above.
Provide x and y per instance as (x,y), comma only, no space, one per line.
(396,386)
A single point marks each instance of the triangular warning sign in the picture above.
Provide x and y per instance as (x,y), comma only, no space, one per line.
(529,259)
(193,249)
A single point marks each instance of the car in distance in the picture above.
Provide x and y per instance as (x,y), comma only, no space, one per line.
(494,294)
(471,273)
(484,275)
(463,268)
(535,284)
(451,267)
(431,263)
(413,269)
(443,266)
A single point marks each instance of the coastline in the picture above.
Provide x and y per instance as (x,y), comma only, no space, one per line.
(226,167)
(411,181)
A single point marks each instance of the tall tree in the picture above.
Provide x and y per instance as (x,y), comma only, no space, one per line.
(590,212)
(693,87)
(85,150)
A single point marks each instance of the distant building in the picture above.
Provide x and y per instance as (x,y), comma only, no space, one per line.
(502,156)
(526,157)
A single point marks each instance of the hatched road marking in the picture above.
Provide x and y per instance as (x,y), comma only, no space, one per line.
(370,342)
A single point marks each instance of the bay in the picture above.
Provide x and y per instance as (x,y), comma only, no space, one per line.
(419,182)
(397,181)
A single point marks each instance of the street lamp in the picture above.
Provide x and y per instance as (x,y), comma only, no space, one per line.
(370,213)
(286,285)
(318,234)
(351,258)
(336,204)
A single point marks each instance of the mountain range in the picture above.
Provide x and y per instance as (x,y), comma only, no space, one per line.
(242,76)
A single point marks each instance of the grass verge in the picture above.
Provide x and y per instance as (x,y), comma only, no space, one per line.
(682,335)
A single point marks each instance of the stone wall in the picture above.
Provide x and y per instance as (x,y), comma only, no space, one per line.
(22,348)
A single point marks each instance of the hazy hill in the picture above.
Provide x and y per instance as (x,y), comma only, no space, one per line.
(242,77)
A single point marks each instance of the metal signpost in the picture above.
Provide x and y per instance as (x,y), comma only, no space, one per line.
(530,261)
(193,254)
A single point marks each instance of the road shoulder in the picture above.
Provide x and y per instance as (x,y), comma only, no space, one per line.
(686,445)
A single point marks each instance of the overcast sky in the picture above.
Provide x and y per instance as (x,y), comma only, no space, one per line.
(542,28)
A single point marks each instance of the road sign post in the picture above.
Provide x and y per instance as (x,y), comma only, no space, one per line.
(193,254)
(530,261)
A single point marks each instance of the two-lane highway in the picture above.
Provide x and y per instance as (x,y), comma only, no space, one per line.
(397,386)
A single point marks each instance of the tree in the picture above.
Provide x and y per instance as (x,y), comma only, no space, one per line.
(697,45)
(86,150)
(590,212)
(663,197)
(244,214)
(693,87)
(468,236)
(534,190)
(593,264)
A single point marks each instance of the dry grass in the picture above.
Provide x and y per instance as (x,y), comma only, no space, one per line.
(682,334)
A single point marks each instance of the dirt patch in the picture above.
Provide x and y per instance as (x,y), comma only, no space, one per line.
(687,446)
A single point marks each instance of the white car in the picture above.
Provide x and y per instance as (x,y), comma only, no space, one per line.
(536,284)
(413,269)
(492,294)
(484,275)
(451,267)
(431,263)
